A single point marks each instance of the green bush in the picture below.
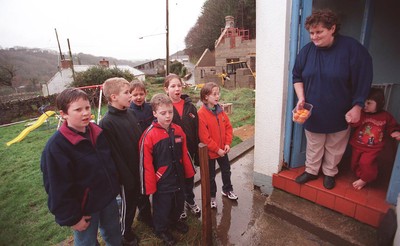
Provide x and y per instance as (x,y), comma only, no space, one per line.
(97,75)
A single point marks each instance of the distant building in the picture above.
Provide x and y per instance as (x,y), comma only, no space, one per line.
(153,67)
(179,56)
(63,78)
(233,45)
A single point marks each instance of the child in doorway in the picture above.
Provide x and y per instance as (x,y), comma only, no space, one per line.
(215,130)
(122,132)
(165,165)
(79,174)
(368,138)
(185,115)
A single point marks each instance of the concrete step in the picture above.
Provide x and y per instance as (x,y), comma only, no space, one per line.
(327,224)
(367,205)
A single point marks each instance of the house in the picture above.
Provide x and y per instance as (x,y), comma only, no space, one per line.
(233,45)
(179,56)
(153,67)
(278,141)
(64,77)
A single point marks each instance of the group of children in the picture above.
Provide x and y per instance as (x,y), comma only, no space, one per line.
(138,150)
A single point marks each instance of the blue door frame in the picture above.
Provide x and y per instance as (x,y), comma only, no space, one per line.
(294,143)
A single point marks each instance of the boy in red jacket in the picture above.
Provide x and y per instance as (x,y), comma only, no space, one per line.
(165,163)
(368,138)
(215,130)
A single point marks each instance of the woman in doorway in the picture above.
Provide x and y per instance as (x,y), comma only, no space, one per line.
(334,74)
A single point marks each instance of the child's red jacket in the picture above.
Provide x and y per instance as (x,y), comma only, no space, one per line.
(215,129)
(164,159)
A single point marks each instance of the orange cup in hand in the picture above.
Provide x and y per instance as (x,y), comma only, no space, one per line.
(301,115)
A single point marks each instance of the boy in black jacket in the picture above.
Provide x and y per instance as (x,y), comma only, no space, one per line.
(122,131)
(79,174)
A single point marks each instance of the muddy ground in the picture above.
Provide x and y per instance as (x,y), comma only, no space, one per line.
(244,132)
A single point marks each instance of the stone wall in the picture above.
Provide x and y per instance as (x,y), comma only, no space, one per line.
(21,109)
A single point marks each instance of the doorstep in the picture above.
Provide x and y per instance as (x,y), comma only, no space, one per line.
(367,205)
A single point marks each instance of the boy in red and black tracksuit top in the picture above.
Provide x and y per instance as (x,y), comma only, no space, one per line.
(165,164)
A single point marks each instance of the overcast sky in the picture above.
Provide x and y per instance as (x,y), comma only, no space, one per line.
(101,28)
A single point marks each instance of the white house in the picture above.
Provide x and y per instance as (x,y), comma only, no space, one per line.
(63,78)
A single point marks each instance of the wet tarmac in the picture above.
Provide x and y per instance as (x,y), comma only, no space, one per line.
(245,222)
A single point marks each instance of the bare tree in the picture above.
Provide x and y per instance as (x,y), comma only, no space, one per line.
(35,82)
(7,74)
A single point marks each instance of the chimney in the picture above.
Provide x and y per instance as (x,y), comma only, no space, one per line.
(229,22)
(104,63)
(66,63)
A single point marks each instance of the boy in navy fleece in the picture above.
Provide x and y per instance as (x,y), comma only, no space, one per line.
(79,174)
(142,109)
(144,115)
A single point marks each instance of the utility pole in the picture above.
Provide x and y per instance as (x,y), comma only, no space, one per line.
(72,62)
(59,47)
(167,42)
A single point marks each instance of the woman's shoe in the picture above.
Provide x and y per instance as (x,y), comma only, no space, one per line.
(305,177)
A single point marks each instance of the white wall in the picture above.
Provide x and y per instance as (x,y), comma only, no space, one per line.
(60,81)
(272,49)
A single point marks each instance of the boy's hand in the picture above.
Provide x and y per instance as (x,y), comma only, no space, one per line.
(83,224)
(221,152)
(227,148)
(395,135)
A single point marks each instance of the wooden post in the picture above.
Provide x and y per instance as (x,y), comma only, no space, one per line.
(206,236)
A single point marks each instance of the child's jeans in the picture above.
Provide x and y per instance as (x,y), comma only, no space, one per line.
(225,168)
(108,221)
(167,207)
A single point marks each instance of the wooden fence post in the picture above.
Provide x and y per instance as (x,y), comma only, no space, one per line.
(206,236)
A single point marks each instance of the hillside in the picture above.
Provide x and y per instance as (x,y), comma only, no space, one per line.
(37,65)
